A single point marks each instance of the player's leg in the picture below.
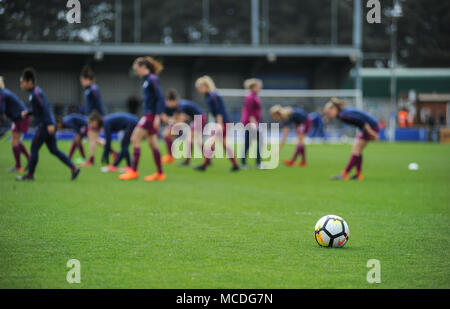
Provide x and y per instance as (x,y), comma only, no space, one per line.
(139,133)
(302,149)
(258,149)
(101,142)
(195,131)
(93,139)
(355,157)
(79,141)
(153,143)
(38,140)
(246,147)
(229,151)
(190,146)
(15,144)
(124,151)
(24,125)
(207,152)
(50,141)
(168,139)
(299,150)
(73,146)
(358,148)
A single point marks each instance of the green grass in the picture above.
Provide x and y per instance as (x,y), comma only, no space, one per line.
(253,229)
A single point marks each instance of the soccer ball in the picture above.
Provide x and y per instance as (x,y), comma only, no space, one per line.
(331,231)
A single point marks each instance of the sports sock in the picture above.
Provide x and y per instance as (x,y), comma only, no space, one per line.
(169,145)
(136,155)
(303,154)
(157,157)
(231,155)
(23,149)
(81,149)
(72,149)
(16,153)
(299,150)
(352,162)
(359,164)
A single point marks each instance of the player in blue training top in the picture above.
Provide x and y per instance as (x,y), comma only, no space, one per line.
(12,107)
(93,105)
(368,125)
(46,126)
(148,126)
(183,111)
(216,106)
(78,123)
(114,123)
(316,129)
(297,117)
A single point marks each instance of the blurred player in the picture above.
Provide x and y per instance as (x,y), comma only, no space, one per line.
(12,107)
(168,117)
(78,123)
(184,111)
(93,105)
(299,118)
(114,123)
(205,85)
(46,126)
(316,129)
(148,126)
(251,113)
(369,132)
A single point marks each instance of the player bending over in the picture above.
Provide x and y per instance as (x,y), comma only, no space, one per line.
(168,117)
(184,111)
(369,132)
(205,85)
(78,123)
(46,126)
(301,121)
(114,123)
(251,113)
(93,105)
(12,107)
(148,126)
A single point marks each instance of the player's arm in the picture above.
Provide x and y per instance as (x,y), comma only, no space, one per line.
(26,113)
(181,117)
(219,120)
(51,129)
(164,118)
(107,147)
(370,131)
(284,136)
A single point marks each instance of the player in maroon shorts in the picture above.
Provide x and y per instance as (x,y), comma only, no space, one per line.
(12,107)
(148,126)
(302,123)
(369,127)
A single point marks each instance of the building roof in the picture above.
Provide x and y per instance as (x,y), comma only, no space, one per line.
(406,72)
(182,49)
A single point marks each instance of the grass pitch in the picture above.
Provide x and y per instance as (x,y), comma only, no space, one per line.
(216,229)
